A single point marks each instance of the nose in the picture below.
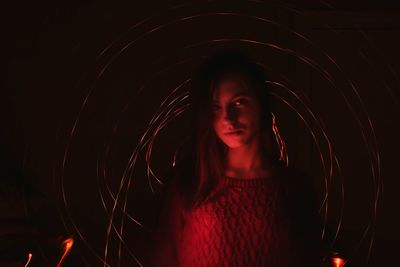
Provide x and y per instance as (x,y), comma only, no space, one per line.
(229,116)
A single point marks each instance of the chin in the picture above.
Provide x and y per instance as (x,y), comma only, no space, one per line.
(234,144)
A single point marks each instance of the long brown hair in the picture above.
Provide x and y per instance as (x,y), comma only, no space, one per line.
(208,151)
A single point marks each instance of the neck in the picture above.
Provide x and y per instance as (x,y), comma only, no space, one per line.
(247,161)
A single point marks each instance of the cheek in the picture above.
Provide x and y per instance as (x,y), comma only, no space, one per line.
(216,123)
(218,126)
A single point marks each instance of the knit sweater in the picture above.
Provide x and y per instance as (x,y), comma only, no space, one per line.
(245,222)
(241,225)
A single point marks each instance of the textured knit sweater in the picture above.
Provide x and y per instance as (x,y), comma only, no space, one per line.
(241,225)
(245,222)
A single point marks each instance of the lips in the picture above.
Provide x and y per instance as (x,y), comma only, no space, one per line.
(235,132)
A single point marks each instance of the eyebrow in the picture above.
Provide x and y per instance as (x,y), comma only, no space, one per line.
(240,94)
(235,96)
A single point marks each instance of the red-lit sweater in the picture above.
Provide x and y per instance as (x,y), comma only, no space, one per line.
(246,222)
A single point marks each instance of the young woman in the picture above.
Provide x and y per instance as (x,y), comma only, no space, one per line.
(234,203)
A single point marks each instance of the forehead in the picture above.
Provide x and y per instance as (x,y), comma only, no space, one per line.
(231,87)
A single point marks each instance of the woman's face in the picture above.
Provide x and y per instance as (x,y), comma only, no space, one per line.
(237,113)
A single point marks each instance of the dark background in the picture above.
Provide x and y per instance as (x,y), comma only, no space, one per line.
(53,54)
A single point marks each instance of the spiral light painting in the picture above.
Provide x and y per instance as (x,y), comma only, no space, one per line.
(133,122)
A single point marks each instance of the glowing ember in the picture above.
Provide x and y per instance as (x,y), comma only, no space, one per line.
(29,259)
(337,262)
(67,245)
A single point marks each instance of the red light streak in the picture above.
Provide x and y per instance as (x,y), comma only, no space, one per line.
(29,259)
(279,140)
(67,245)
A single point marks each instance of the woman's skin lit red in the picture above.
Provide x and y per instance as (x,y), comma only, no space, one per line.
(237,123)
(236,113)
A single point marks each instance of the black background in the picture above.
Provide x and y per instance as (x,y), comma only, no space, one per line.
(51,58)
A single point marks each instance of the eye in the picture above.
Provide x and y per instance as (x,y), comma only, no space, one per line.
(240,102)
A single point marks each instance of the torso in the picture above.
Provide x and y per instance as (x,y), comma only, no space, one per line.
(242,224)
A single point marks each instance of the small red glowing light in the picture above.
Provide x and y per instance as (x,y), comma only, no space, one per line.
(67,245)
(29,259)
(337,262)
